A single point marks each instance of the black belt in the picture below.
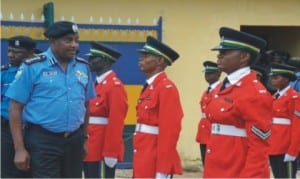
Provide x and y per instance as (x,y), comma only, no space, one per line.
(58,134)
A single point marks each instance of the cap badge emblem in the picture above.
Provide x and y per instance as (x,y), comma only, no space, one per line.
(75,28)
(17,43)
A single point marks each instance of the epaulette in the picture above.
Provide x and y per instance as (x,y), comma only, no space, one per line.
(294,96)
(5,67)
(259,87)
(82,60)
(116,81)
(35,59)
(169,86)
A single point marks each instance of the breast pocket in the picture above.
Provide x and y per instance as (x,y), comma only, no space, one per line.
(51,86)
(224,109)
(147,108)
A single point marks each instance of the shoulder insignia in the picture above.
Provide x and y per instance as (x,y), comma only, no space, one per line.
(35,59)
(117,83)
(81,60)
(297,113)
(169,86)
(260,133)
(262,91)
(5,67)
(295,96)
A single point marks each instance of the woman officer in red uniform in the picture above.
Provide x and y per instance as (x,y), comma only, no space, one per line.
(240,112)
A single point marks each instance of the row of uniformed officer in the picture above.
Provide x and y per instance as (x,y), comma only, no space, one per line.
(19,48)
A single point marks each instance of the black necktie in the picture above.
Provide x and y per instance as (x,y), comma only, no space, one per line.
(225,81)
(277,96)
(144,87)
(208,90)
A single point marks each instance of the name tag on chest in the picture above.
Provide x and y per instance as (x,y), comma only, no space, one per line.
(49,73)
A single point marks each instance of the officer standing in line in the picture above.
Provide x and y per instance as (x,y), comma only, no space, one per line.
(212,76)
(285,138)
(19,48)
(240,112)
(108,110)
(51,93)
(159,115)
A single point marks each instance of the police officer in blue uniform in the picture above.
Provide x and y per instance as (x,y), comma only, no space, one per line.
(51,93)
(19,48)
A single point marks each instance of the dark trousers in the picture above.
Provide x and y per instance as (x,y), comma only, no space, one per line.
(280,168)
(98,170)
(54,155)
(202,152)
(8,167)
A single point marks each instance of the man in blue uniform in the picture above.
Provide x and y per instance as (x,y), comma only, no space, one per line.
(19,48)
(51,93)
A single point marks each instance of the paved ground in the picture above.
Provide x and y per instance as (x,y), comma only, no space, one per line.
(128,174)
(186,174)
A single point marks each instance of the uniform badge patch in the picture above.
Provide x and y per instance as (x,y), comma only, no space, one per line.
(49,73)
(18,74)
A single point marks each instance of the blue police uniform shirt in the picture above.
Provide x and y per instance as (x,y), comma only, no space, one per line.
(53,98)
(8,73)
(296,84)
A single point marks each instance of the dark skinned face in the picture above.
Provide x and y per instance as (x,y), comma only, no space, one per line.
(150,64)
(17,55)
(212,77)
(279,82)
(65,48)
(232,60)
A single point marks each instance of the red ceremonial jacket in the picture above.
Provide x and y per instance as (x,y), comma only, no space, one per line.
(245,105)
(286,138)
(159,105)
(111,102)
(204,128)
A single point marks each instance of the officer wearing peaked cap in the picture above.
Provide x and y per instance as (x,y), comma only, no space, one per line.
(19,48)
(56,88)
(240,112)
(284,141)
(60,29)
(155,47)
(107,115)
(212,76)
(159,115)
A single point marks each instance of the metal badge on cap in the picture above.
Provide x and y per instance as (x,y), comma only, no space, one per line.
(75,28)
(17,43)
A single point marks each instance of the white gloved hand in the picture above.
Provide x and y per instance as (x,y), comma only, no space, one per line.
(110,161)
(289,158)
(161,175)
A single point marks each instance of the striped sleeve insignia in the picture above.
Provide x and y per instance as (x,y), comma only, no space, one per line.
(297,113)
(260,133)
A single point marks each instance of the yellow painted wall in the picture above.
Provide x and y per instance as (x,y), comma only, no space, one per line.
(189,26)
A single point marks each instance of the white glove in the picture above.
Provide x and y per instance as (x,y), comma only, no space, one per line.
(110,161)
(289,158)
(162,175)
